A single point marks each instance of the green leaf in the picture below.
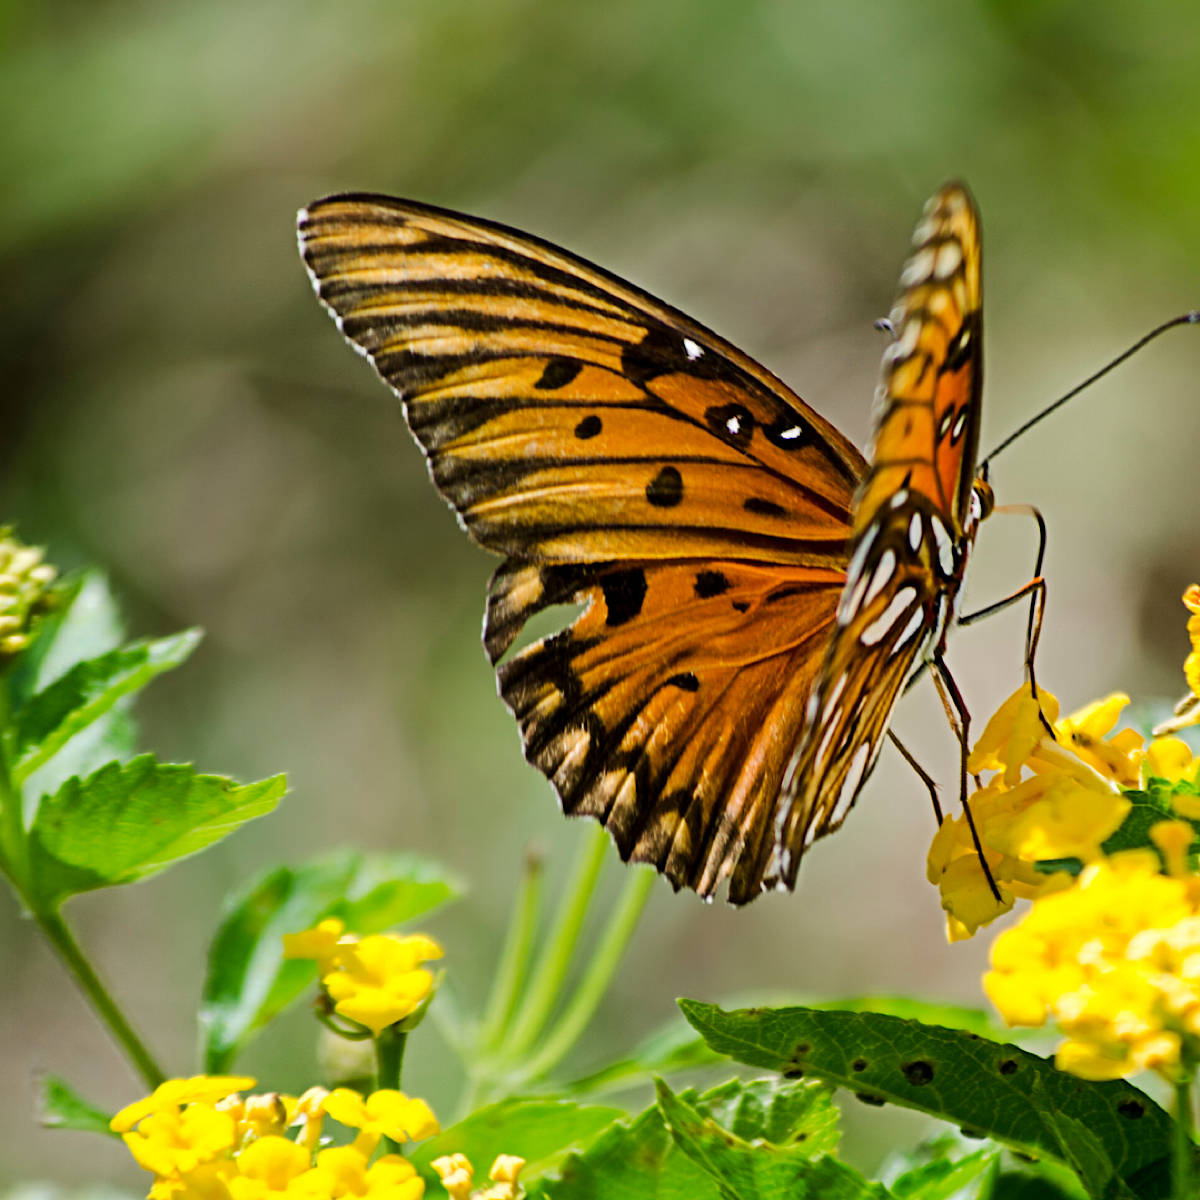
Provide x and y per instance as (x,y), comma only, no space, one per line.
(248,982)
(86,692)
(129,820)
(543,1132)
(632,1160)
(84,622)
(974,1082)
(759,1171)
(638,1159)
(943,1177)
(677,1047)
(61,1107)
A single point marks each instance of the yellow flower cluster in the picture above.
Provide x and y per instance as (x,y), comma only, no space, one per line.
(1046,798)
(457,1174)
(374,981)
(1115,960)
(203,1141)
(24,579)
(1187,711)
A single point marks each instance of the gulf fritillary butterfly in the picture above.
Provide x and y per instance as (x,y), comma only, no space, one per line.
(755,592)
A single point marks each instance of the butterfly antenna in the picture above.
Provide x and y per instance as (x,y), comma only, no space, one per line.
(1188,318)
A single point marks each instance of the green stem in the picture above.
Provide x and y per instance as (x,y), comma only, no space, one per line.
(1184,1146)
(389,1064)
(514,958)
(389,1057)
(599,975)
(14,848)
(60,937)
(546,985)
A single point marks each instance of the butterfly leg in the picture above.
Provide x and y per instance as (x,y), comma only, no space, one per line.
(1035,589)
(960,721)
(922,774)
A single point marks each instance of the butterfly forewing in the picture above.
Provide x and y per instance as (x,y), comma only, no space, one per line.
(913,524)
(624,458)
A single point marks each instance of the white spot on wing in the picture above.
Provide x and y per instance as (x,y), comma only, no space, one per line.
(900,498)
(945,547)
(883,572)
(914,623)
(914,532)
(917,269)
(890,615)
(854,780)
(949,256)
(956,432)
(790,434)
(691,349)
(734,425)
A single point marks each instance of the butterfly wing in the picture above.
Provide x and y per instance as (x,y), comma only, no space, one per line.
(621,457)
(913,524)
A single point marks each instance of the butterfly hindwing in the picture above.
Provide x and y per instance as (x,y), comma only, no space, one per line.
(626,459)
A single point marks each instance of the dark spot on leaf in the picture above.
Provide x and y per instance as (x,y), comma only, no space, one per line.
(1133,1110)
(869,1098)
(588,427)
(1008,1066)
(558,373)
(763,508)
(794,1073)
(624,595)
(710,583)
(665,490)
(918,1072)
(1029,1158)
(967,1132)
(685,680)
(859,1064)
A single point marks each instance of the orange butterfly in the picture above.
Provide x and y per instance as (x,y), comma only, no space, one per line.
(756,593)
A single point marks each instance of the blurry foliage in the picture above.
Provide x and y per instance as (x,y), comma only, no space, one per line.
(174,404)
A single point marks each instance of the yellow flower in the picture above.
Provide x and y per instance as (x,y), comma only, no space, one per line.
(174,1141)
(273,1166)
(390,1178)
(322,942)
(1187,711)
(199,1089)
(1115,960)
(378,980)
(386,1113)
(456,1174)
(1050,798)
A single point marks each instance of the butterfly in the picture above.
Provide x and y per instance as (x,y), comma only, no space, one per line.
(754,593)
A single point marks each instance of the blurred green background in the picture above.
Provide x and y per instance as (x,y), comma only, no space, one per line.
(176,407)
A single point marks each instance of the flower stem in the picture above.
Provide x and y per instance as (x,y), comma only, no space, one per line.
(514,958)
(1184,1147)
(555,960)
(598,976)
(61,938)
(389,1064)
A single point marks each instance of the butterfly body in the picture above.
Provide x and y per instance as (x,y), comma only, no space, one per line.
(754,591)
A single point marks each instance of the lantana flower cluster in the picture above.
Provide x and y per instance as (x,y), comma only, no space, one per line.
(1115,960)
(24,580)
(1055,790)
(375,981)
(203,1140)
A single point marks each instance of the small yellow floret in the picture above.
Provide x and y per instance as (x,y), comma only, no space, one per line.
(322,943)
(378,980)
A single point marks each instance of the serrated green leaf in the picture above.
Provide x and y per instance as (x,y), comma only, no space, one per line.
(61,1107)
(1086,1154)
(543,1132)
(974,1082)
(129,820)
(86,692)
(635,1159)
(248,982)
(759,1171)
